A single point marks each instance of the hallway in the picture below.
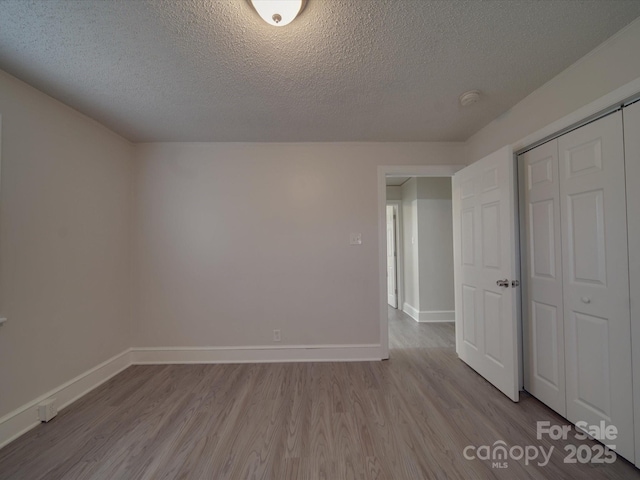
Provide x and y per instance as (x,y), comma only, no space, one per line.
(405,332)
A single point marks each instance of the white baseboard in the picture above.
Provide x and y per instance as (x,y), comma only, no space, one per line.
(25,418)
(258,354)
(429,316)
(411,311)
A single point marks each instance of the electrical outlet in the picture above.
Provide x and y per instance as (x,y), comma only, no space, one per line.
(47,410)
(276,335)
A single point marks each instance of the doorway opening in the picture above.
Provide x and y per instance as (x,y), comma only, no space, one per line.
(417,289)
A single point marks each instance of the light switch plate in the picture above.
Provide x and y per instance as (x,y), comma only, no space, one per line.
(355,239)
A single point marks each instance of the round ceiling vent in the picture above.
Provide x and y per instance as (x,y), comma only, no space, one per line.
(470,97)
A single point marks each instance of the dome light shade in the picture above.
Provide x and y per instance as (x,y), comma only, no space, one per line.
(278,12)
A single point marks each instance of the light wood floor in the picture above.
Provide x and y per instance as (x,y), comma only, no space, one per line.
(406,418)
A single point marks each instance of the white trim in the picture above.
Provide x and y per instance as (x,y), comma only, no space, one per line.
(396,170)
(257,354)
(429,316)
(25,418)
(411,311)
(418,170)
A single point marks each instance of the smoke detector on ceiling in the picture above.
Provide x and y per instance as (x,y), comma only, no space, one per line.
(469,98)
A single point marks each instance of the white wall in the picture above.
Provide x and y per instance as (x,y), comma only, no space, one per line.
(428,248)
(235,240)
(613,64)
(64,240)
(394,192)
(435,247)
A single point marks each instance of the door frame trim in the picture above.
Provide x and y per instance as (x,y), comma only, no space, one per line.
(398,171)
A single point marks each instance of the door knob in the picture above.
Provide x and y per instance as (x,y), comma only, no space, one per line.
(585,300)
(503,283)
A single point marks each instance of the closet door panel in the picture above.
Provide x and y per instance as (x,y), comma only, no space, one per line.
(632,162)
(542,284)
(596,278)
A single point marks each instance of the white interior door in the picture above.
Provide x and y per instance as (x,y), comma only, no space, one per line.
(392,289)
(543,322)
(596,278)
(632,166)
(485,240)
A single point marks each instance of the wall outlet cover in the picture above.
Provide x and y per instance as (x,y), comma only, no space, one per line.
(47,410)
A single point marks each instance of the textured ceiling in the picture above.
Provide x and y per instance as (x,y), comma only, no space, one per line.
(345,70)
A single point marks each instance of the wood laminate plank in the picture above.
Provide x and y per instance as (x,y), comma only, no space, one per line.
(406,418)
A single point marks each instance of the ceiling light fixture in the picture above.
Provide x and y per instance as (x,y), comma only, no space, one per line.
(278,12)
(469,98)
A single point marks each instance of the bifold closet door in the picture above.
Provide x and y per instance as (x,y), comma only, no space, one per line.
(632,164)
(542,283)
(597,327)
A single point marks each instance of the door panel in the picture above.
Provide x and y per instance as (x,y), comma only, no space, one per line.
(596,280)
(543,321)
(494,318)
(543,231)
(546,359)
(632,167)
(468,240)
(592,350)
(392,289)
(585,218)
(485,252)
(468,315)
(491,236)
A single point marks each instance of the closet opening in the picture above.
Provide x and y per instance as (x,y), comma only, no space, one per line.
(579,238)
